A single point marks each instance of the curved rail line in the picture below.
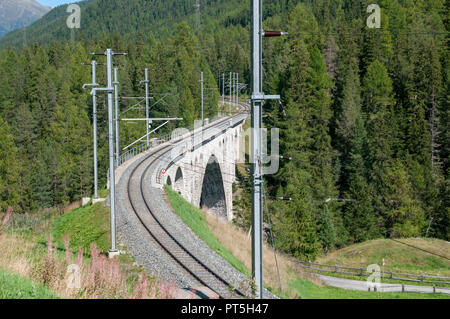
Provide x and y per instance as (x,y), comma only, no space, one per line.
(177,251)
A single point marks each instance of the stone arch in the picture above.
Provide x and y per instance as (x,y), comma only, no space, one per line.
(213,192)
(178,175)
(179,179)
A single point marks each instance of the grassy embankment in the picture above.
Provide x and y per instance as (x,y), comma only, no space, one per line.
(39,247)
(84,225)
(235,246)
(14,286)
(398,257)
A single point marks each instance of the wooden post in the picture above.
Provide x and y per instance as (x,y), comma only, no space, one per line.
(335,268)
(361,272)
(403,287)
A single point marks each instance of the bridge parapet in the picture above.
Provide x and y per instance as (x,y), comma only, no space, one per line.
(202,167)
(172,137)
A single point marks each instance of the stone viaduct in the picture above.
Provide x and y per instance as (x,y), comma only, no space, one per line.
(201,167)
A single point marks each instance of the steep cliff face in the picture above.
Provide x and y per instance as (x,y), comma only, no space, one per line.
(15,14)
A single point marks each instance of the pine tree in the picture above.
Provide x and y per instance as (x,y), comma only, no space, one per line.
(188,107)
(294,223)
(350,106)
(376,45)
(327,230)
(322,154)
(319,110)
(9,168)
(360,218)
(406,217)
(378,101)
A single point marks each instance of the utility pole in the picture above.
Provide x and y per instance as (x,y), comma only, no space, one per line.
(203,121)
(109,63)
(223,91)
(230,91)
(232,88)
(256,156)
(237,89)
(147,111)
(94,115)
(256,148)
(110,90)
(94,84)
(116,92)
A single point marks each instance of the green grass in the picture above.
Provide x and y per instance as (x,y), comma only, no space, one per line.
(84,225)
(103,193)
(308,290)
(195,219)
(13,286)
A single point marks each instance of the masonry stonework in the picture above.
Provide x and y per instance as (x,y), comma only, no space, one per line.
(205,176)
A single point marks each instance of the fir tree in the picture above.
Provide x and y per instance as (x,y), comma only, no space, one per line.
(9,168)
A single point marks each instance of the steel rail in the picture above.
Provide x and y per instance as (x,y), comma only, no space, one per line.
(177,244)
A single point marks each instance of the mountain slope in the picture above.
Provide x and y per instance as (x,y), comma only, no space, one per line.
(15,14)
(127,17)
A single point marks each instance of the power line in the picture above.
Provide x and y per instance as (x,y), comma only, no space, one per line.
(273,240)
(418,248)
(341,34)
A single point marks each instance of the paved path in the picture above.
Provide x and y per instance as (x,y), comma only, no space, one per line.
(384,287)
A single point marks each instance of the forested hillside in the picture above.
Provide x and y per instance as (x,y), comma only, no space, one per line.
(366,109)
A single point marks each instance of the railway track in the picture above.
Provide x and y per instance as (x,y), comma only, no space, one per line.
(195,268)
